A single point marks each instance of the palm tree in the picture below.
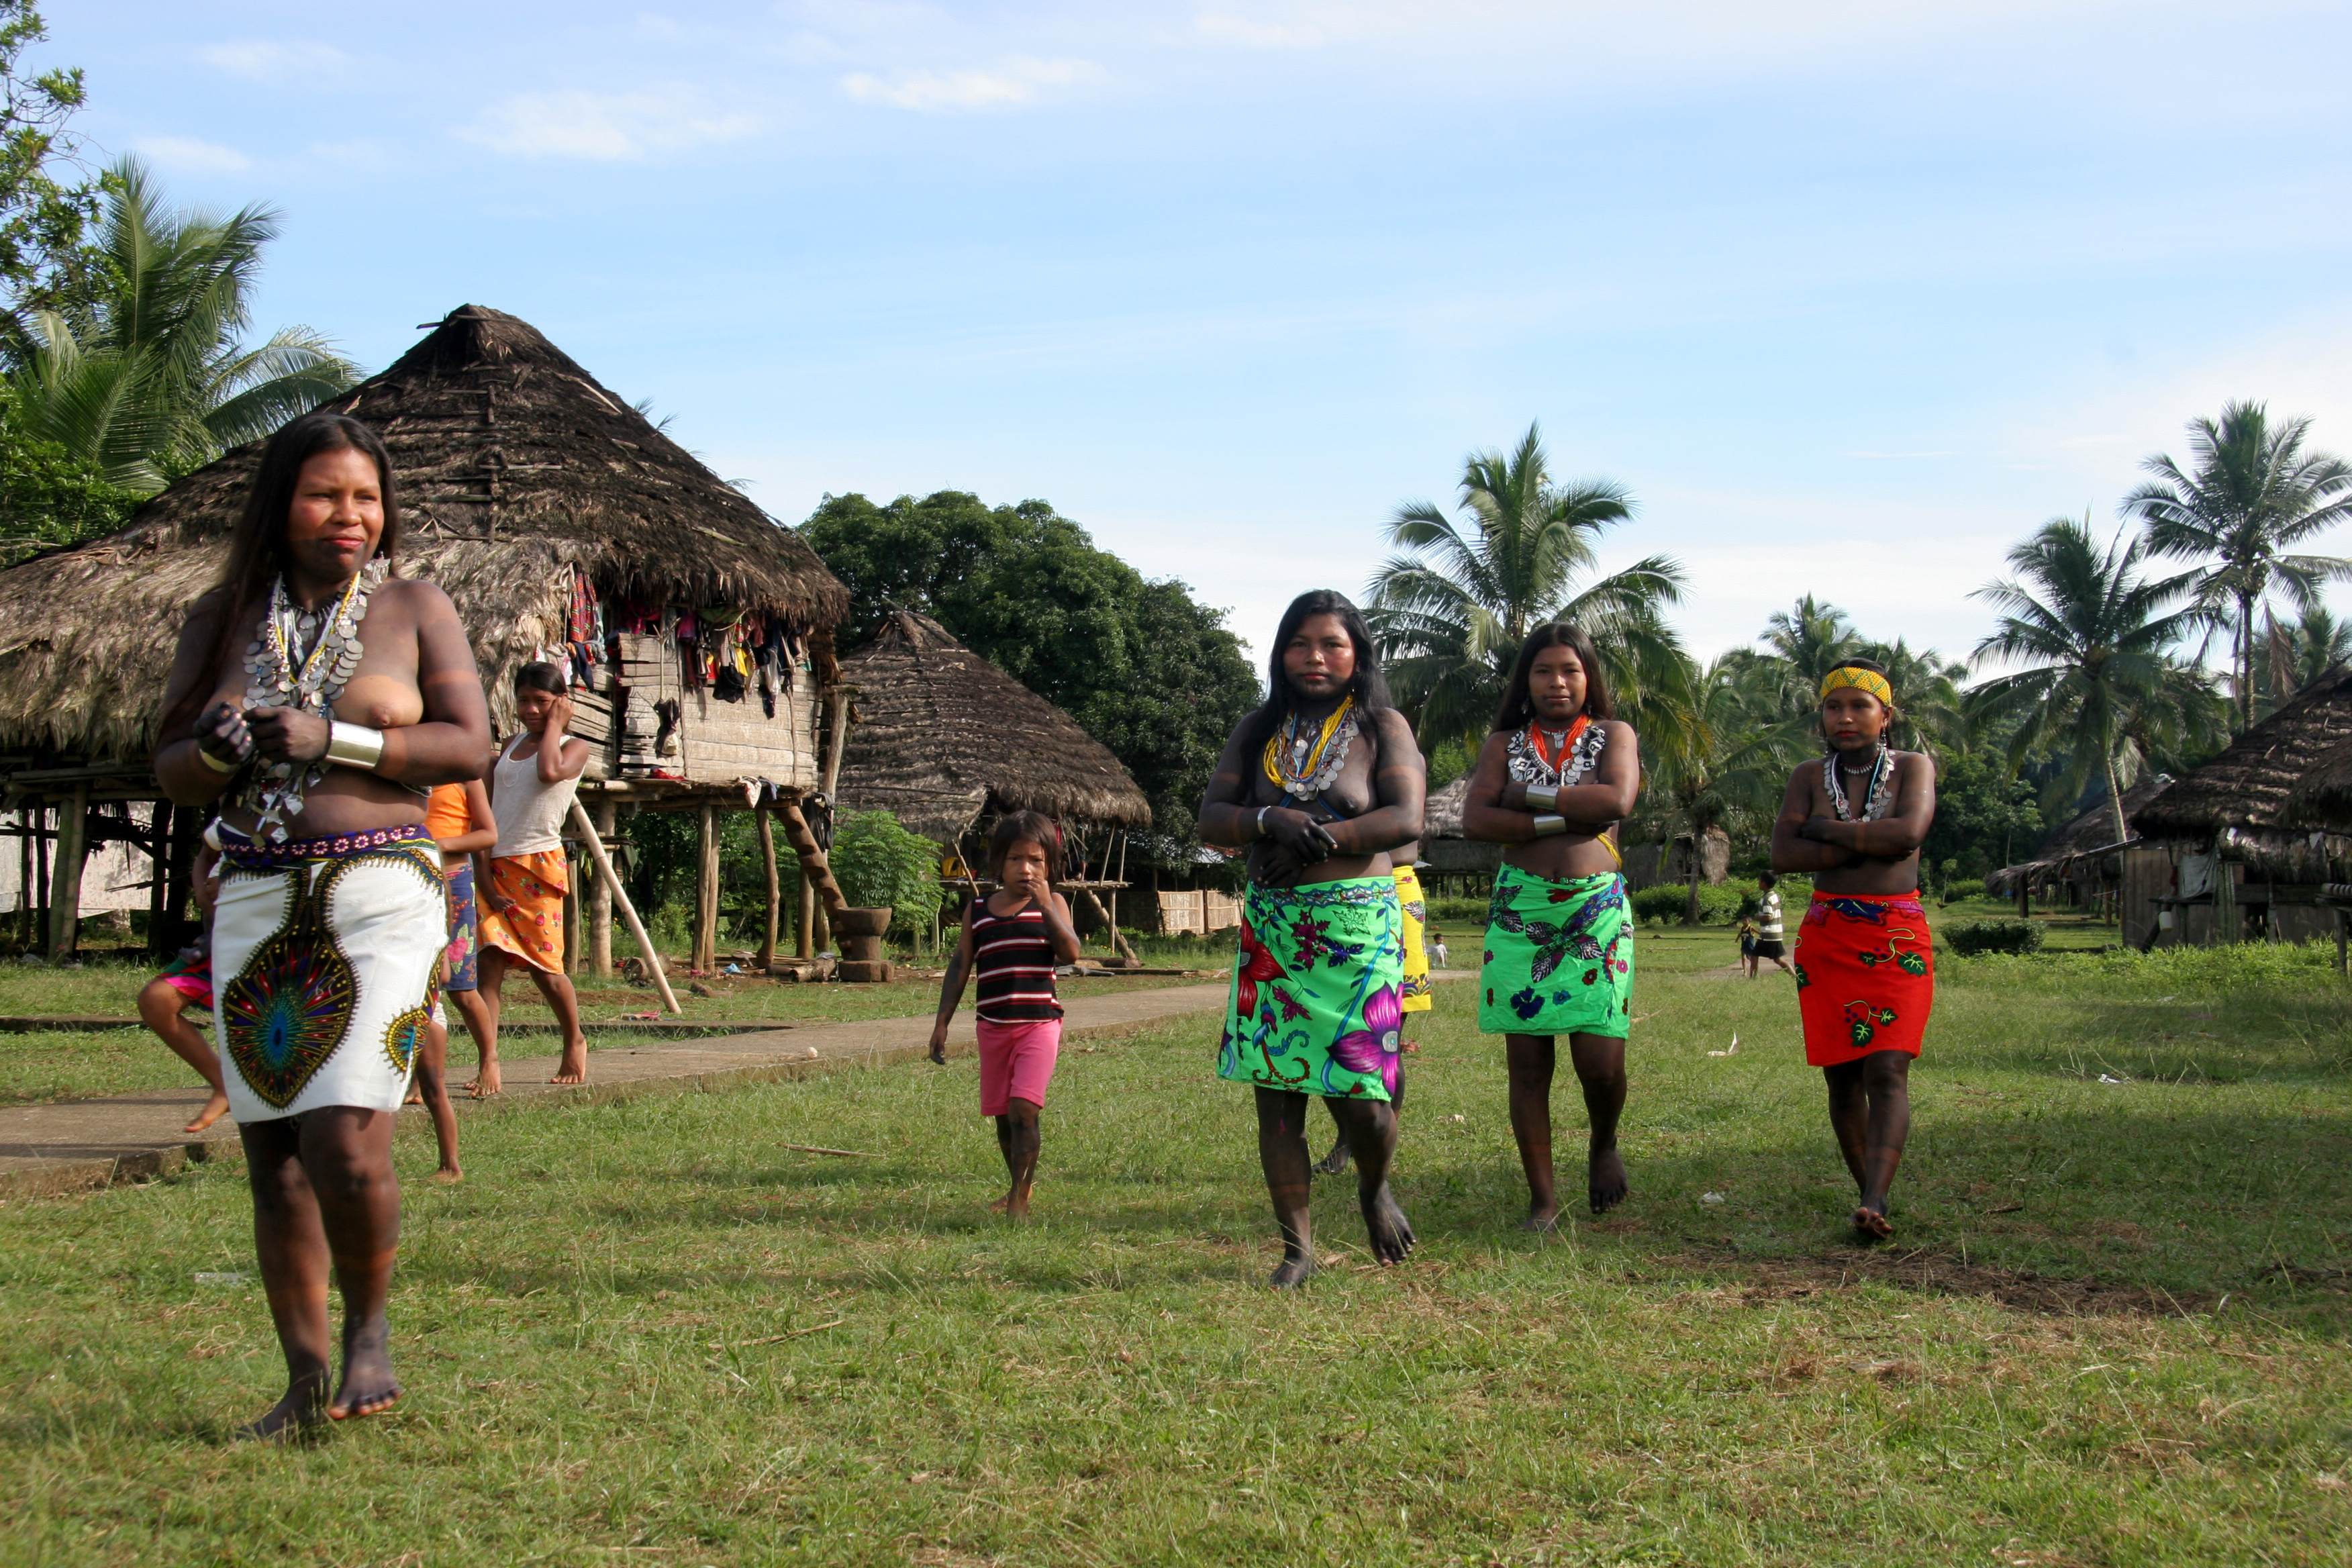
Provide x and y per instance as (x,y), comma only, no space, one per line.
(1451,613)
(2296,653)
(2095,636)
(148,375)
(2252,494)
(1726,758)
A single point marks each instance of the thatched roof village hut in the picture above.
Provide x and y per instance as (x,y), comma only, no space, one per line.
(564,526)
(2253,833)
(943,738)
(2083,857)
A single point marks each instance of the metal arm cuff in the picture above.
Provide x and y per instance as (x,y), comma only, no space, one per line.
(217,764)
(354,745)
(1546,827)
(1542,797)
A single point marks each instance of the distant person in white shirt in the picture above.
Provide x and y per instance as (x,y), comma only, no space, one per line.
(1437,950)
(1768,930)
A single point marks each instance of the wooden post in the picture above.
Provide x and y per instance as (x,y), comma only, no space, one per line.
(42,905)
(1117,940)
(2228,924)
(612,881)
(575,896)
(159,886)
(24,879)
(65,883)
(804,932)
(600,899)
(706,891)
(814,872)
(775,886)
(840,737)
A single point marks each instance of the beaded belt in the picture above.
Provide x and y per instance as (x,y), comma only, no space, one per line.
(241,849)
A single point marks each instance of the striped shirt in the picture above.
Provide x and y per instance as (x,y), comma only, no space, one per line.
(1767,917)
(1012,961)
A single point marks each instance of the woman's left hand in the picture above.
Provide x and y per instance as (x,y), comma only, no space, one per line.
(287,734)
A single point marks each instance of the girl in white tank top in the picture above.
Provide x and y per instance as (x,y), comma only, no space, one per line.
(523,883)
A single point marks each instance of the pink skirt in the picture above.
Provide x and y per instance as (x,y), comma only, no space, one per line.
(1016,1062)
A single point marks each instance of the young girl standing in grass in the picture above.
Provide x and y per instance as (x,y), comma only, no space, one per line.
(1011,943)
(1865,963)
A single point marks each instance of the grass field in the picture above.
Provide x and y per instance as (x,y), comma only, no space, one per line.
(2111,1333)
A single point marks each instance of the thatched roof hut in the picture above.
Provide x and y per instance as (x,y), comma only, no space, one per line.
(519,475)
(2249,803)
(943,736)
(2087,843)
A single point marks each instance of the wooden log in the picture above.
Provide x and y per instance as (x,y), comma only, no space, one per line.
(805,935)
(775,887)
(595,847)
(600,899)
(815,871)
(65,882)
(1118,941)
(706,890)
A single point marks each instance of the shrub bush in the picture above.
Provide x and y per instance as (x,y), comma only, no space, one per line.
(1965,889)
(880,863)
(1718,905)
(1970,937)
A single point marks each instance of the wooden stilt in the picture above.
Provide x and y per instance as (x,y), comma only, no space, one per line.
(1103,914)
(805,930)
(814,872)
(775,886)
(159,887)
(24,879)
(595,847)
(65,883)
(42,843)
(573,897)
(706,892)
(600,899)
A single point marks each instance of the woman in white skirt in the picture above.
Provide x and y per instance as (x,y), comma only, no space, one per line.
(316,698)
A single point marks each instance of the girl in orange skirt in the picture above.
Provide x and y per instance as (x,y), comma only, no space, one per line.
(524,885)
(1865,968)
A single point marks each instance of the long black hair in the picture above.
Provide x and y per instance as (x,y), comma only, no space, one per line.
(1519,709)
(1037,829)
(257,547)
(1369,686)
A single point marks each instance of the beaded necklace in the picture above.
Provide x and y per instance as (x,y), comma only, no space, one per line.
(1562,766)
(300,658)
(1874,801)
(1302,764)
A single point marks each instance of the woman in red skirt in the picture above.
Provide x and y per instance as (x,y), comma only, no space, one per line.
(1865,967)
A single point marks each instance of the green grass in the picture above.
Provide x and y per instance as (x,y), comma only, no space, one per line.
(2111,1332)
(40,1067)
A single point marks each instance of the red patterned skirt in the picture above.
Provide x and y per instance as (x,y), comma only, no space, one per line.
(1866,975)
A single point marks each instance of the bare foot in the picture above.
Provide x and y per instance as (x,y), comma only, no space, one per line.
(415,1093)
(1871,1223)
(1012,1206)
(214,1109)
(1605,1180)
(1334,1163)
(1293,1272)
(447,1175)
(1542,1219)
(303,1410)
(369,1385)
(574,1067)
(1386,1227)
(486,1081)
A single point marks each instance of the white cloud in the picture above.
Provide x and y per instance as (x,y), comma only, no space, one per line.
(188,153)
(266,60)
(1017,80)
(606,126)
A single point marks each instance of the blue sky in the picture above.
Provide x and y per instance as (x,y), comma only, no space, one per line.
(1850,295)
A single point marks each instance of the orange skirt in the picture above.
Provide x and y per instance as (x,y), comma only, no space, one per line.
(533,930)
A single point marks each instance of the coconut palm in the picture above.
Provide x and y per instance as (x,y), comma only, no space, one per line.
(1451,613)
(2094,638)
(2252,494)
(148,374)
(2296,653)
(1726,758)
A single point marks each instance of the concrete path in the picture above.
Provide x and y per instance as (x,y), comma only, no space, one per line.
(89,1142)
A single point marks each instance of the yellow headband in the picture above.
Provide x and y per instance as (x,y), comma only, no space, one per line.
(1868,680)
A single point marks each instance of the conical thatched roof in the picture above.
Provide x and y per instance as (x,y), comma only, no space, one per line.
(942,735)
(513,466)
(2247,799)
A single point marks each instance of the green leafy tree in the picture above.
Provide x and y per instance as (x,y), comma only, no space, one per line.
(881,864)
(2251,494)
(2094,638)
(48,498)
(1451,613)
(145,374)
(1986,816)
(1140,664)
(42,215)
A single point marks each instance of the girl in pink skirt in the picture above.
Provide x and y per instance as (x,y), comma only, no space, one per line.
(1012,942)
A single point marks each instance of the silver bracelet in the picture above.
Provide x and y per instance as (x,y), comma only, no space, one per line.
(1261,819)
(354,745)
(1543,797)
(1546,827)
(216,763)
